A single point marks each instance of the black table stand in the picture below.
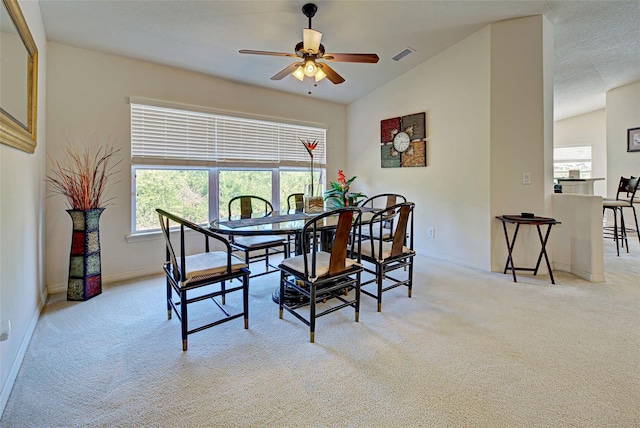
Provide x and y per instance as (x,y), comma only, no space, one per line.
(533,221)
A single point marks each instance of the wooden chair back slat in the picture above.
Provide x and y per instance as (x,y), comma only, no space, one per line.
(246,208)
(340,242)
(401,231)
(247,205)
(295,201)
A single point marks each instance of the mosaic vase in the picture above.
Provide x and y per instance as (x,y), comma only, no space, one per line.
(85,272)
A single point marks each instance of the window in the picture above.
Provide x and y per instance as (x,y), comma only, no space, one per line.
(293,181)
(181,191)
(243,182)
(569,158)
(191,162)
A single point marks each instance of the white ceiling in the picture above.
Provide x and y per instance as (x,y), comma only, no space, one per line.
(597,43)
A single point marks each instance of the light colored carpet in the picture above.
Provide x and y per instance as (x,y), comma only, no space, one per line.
(470,348)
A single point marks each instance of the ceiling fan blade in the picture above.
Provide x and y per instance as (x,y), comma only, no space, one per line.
(331,74)
(285,72)
(351,57)
(311,40)
(247,51)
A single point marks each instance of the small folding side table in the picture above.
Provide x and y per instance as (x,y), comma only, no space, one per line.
(532,221)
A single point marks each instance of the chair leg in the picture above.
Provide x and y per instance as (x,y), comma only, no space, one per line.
(281,297)
(245,299)
(183,318)
(623,230)
(223,297)
(615,230)
(379,278)
(410,285)
(312,314)
(635,217)
(246,258)
(358,280)
(168,299)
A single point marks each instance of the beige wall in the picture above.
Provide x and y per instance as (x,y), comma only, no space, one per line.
(589,129)
(22,291)
(88,92)
(623,112)
(484,131)
(452,192)
(521,130)
(577,242)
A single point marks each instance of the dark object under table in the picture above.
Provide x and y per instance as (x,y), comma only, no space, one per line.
(532,221)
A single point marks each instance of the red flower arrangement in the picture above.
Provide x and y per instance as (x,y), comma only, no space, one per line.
(339,194)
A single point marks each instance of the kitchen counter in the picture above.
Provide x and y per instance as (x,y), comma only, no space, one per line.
(581,186)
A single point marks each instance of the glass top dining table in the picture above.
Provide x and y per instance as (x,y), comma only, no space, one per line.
(276,223)
(280,223)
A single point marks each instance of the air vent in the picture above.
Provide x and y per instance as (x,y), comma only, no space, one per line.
(403,54)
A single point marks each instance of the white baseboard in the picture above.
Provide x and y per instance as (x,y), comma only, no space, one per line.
(108,279)
(17,363)
(455,260)
(589,276)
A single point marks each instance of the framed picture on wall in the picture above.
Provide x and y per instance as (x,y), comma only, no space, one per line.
(403,141)
(633,140)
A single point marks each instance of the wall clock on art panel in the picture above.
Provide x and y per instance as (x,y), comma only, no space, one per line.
(403,141)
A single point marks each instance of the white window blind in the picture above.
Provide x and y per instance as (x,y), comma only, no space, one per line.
(168,136)
(572,154)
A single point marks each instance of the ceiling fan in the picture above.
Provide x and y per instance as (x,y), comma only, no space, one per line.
(310,50)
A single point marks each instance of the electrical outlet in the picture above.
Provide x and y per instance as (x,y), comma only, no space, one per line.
(526,178)
(5,329)
(431,233)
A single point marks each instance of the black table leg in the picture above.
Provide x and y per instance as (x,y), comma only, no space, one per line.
(533,221)
(543,251)
(509,249)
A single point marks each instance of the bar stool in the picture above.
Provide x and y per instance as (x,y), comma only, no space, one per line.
(627,186)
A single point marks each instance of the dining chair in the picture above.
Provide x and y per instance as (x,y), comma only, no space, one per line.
(383,200)
(389,254)
(202,273)
(321,275)
(625,198)
(247,206)
(295,201)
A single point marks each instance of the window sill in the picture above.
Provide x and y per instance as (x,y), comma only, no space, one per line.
(154,235)
(143,236)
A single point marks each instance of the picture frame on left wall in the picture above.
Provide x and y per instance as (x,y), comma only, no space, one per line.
(19,84)
(633,140)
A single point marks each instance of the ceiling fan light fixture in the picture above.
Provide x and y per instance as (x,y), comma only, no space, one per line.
(311,40)
(308,51)
(299,73)
(310,68)
(320,75)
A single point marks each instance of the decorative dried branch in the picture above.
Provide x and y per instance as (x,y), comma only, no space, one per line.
(83,178)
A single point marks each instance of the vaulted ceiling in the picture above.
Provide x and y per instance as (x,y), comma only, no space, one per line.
(597,43)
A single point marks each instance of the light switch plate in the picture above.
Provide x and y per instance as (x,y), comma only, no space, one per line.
(526,178)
